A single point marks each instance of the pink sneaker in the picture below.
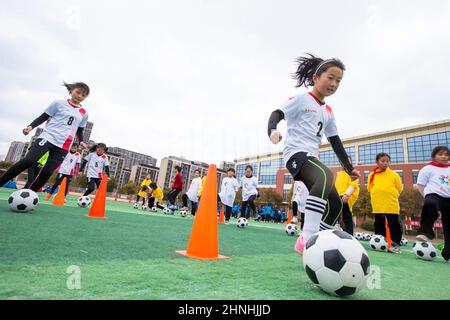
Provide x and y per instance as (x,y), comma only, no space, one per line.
(300,245)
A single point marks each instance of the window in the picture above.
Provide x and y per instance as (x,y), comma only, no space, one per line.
(285,194)
(329,157)
(419,148)
(400,173)
(366,177)
(368,152)
(415,174)
(287,179)
(268,171)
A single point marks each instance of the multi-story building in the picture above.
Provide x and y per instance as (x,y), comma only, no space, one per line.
(140,171)
(188,167)
(225,165)
(132,158)
(409,148)
(16,150)
(86,132)
(124,177)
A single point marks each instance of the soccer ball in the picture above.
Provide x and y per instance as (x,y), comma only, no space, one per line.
(23,200)
(242,223)
(183,213)
(378,243)
(167,211)
(136,205)
(404,242)
(336,262)
(154,209)
(84,201)
(291,229)
(424,250)
(144,207)
(358,235)
(366,236)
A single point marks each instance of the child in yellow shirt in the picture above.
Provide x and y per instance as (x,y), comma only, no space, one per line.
(142,194)
(385,187)
(348,191)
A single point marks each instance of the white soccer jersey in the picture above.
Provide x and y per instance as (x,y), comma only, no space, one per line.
(65,119)
(435,179)
(249,186)
(307,121)
(69,163)
(194,188)
(300,195)
(228,191)
(96,164)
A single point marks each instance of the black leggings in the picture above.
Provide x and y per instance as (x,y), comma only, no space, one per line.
(347,218)
(173,195)
(92,183)
(320,182)
(395,228)
(58,181)
(151,203)
(430,212)
(194,204)
(295,213)
(37,150)
(251,204)
(33,172)
(138,197)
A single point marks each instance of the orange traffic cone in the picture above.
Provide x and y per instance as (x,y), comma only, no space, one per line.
(61,195)
(388,234)
(98,206)
(222,215)
(204,241)
(289,217)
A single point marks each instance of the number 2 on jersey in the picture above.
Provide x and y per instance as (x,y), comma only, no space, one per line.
(320,125)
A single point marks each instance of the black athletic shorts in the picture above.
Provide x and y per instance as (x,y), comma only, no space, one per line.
(296,162)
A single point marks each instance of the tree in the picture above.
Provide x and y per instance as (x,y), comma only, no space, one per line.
(362,207)
(129,188)
(411,202)
(112,184)
(270,196)
(5,164)
(80,181)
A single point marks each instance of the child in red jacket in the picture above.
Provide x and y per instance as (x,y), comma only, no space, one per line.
(177,186)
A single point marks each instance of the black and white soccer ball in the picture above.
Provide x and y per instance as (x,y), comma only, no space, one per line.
(358,235)
(378,243)
(84,201)
(24,200)
(154,209)
(336,262)
(167,211)
(404,242)
(424,250)
(135,206)
(144,207)
(291,229)
(242,222)
(183,213)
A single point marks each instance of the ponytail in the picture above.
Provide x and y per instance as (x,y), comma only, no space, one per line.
(310,65)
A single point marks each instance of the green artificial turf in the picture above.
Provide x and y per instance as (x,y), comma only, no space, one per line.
(132,256)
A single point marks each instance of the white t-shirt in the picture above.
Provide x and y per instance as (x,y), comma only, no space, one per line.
(96,164)
(307,121)
(194,188)
(69,163)
(249,186)
(65,119)
(300,195)
(228,191)
(435,179)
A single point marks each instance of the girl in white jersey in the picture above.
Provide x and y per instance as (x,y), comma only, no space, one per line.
(97,162)
(249,185)
(192,194)
(433,183)
(227,194)
(308,119)
(68,169)
(65,120)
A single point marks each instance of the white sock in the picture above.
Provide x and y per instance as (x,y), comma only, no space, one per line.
(315,207)
(324,226)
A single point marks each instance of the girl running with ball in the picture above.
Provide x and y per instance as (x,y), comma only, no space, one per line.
(64,119)
(308,119)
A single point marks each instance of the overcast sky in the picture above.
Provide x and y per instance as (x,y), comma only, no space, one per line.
(199,78)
